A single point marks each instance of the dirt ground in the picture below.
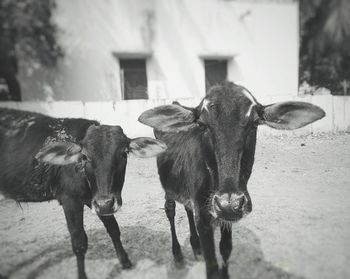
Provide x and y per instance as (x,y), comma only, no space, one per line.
(299,227)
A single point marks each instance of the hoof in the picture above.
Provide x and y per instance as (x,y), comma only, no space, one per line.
(224,272)
(215,275)
(197,252)
(126,264)
(199,258)
(178,257)
(179,264)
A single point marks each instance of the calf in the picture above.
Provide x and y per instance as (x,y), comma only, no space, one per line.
(75,161)
(209,160)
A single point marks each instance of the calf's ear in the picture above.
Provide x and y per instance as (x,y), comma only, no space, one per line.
(290,115)
(146,147)
(169,118)
(60,153)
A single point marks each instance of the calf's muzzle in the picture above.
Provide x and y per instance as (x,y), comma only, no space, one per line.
(104,205)
(229,206)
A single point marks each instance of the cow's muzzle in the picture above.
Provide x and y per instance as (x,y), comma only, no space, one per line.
(229,207)
(104,205)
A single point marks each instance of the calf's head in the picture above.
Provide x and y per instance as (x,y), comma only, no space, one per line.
(103,156)
(227,116)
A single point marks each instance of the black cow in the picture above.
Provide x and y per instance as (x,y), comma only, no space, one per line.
(209,160)
(75,161)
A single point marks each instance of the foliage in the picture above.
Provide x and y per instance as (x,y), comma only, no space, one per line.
(325,44)
(26,30)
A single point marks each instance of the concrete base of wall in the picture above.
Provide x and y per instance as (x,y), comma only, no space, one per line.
(125,113)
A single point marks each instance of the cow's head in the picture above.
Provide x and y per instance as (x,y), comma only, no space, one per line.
(227,116)
(103,156)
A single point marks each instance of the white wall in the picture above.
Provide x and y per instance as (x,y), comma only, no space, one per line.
(260,37)
(125,113)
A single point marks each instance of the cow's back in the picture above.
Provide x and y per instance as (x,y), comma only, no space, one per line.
(22,135)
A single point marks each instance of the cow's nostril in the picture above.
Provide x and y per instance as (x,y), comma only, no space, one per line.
(229,203)
(109,202)
(221,202)
(238,202)
(217,204)
(104,203)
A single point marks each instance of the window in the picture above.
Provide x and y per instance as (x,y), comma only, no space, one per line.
(133,79)
(215,72)
(4,90)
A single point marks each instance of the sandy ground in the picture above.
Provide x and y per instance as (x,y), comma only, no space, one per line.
(299,227)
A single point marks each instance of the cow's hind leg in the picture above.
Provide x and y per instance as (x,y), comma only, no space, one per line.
(194,238)
(170,213)
(112,228)
(74,210)
(225,248)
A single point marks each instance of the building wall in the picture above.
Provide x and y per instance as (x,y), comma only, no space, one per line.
(126,113)
(259,37)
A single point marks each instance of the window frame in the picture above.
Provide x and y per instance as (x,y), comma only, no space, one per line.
(214,59)
(125,94)
(126,55)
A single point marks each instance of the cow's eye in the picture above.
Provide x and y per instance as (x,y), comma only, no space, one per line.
(125,154)
(201,125)
(256,120)
(85,159)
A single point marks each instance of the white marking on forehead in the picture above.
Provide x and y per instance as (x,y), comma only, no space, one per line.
(249,110)
(205,105)
(250,97)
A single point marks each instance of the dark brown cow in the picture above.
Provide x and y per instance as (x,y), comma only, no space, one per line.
(75,161)
(209,160)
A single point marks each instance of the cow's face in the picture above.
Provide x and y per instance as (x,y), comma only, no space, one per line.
(227,115)
(102,154)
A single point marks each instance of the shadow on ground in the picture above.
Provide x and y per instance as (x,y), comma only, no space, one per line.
(150,251)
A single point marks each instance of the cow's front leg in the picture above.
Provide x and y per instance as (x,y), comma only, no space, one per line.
(74,210)
(112,228)
(225,248)
(170,213)
(206,236)
(194,238)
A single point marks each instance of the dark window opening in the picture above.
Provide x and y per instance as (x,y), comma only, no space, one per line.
(133,79)
(10,89)
(215,72)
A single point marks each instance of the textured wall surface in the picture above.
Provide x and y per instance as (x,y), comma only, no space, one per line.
(125,113)
(259,39)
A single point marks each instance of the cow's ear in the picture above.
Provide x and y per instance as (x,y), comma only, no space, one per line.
(290,115)
(169,118)
(146,147)
(60,153)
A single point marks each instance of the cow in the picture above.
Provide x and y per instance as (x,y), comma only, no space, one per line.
(75,161)
(209,161)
